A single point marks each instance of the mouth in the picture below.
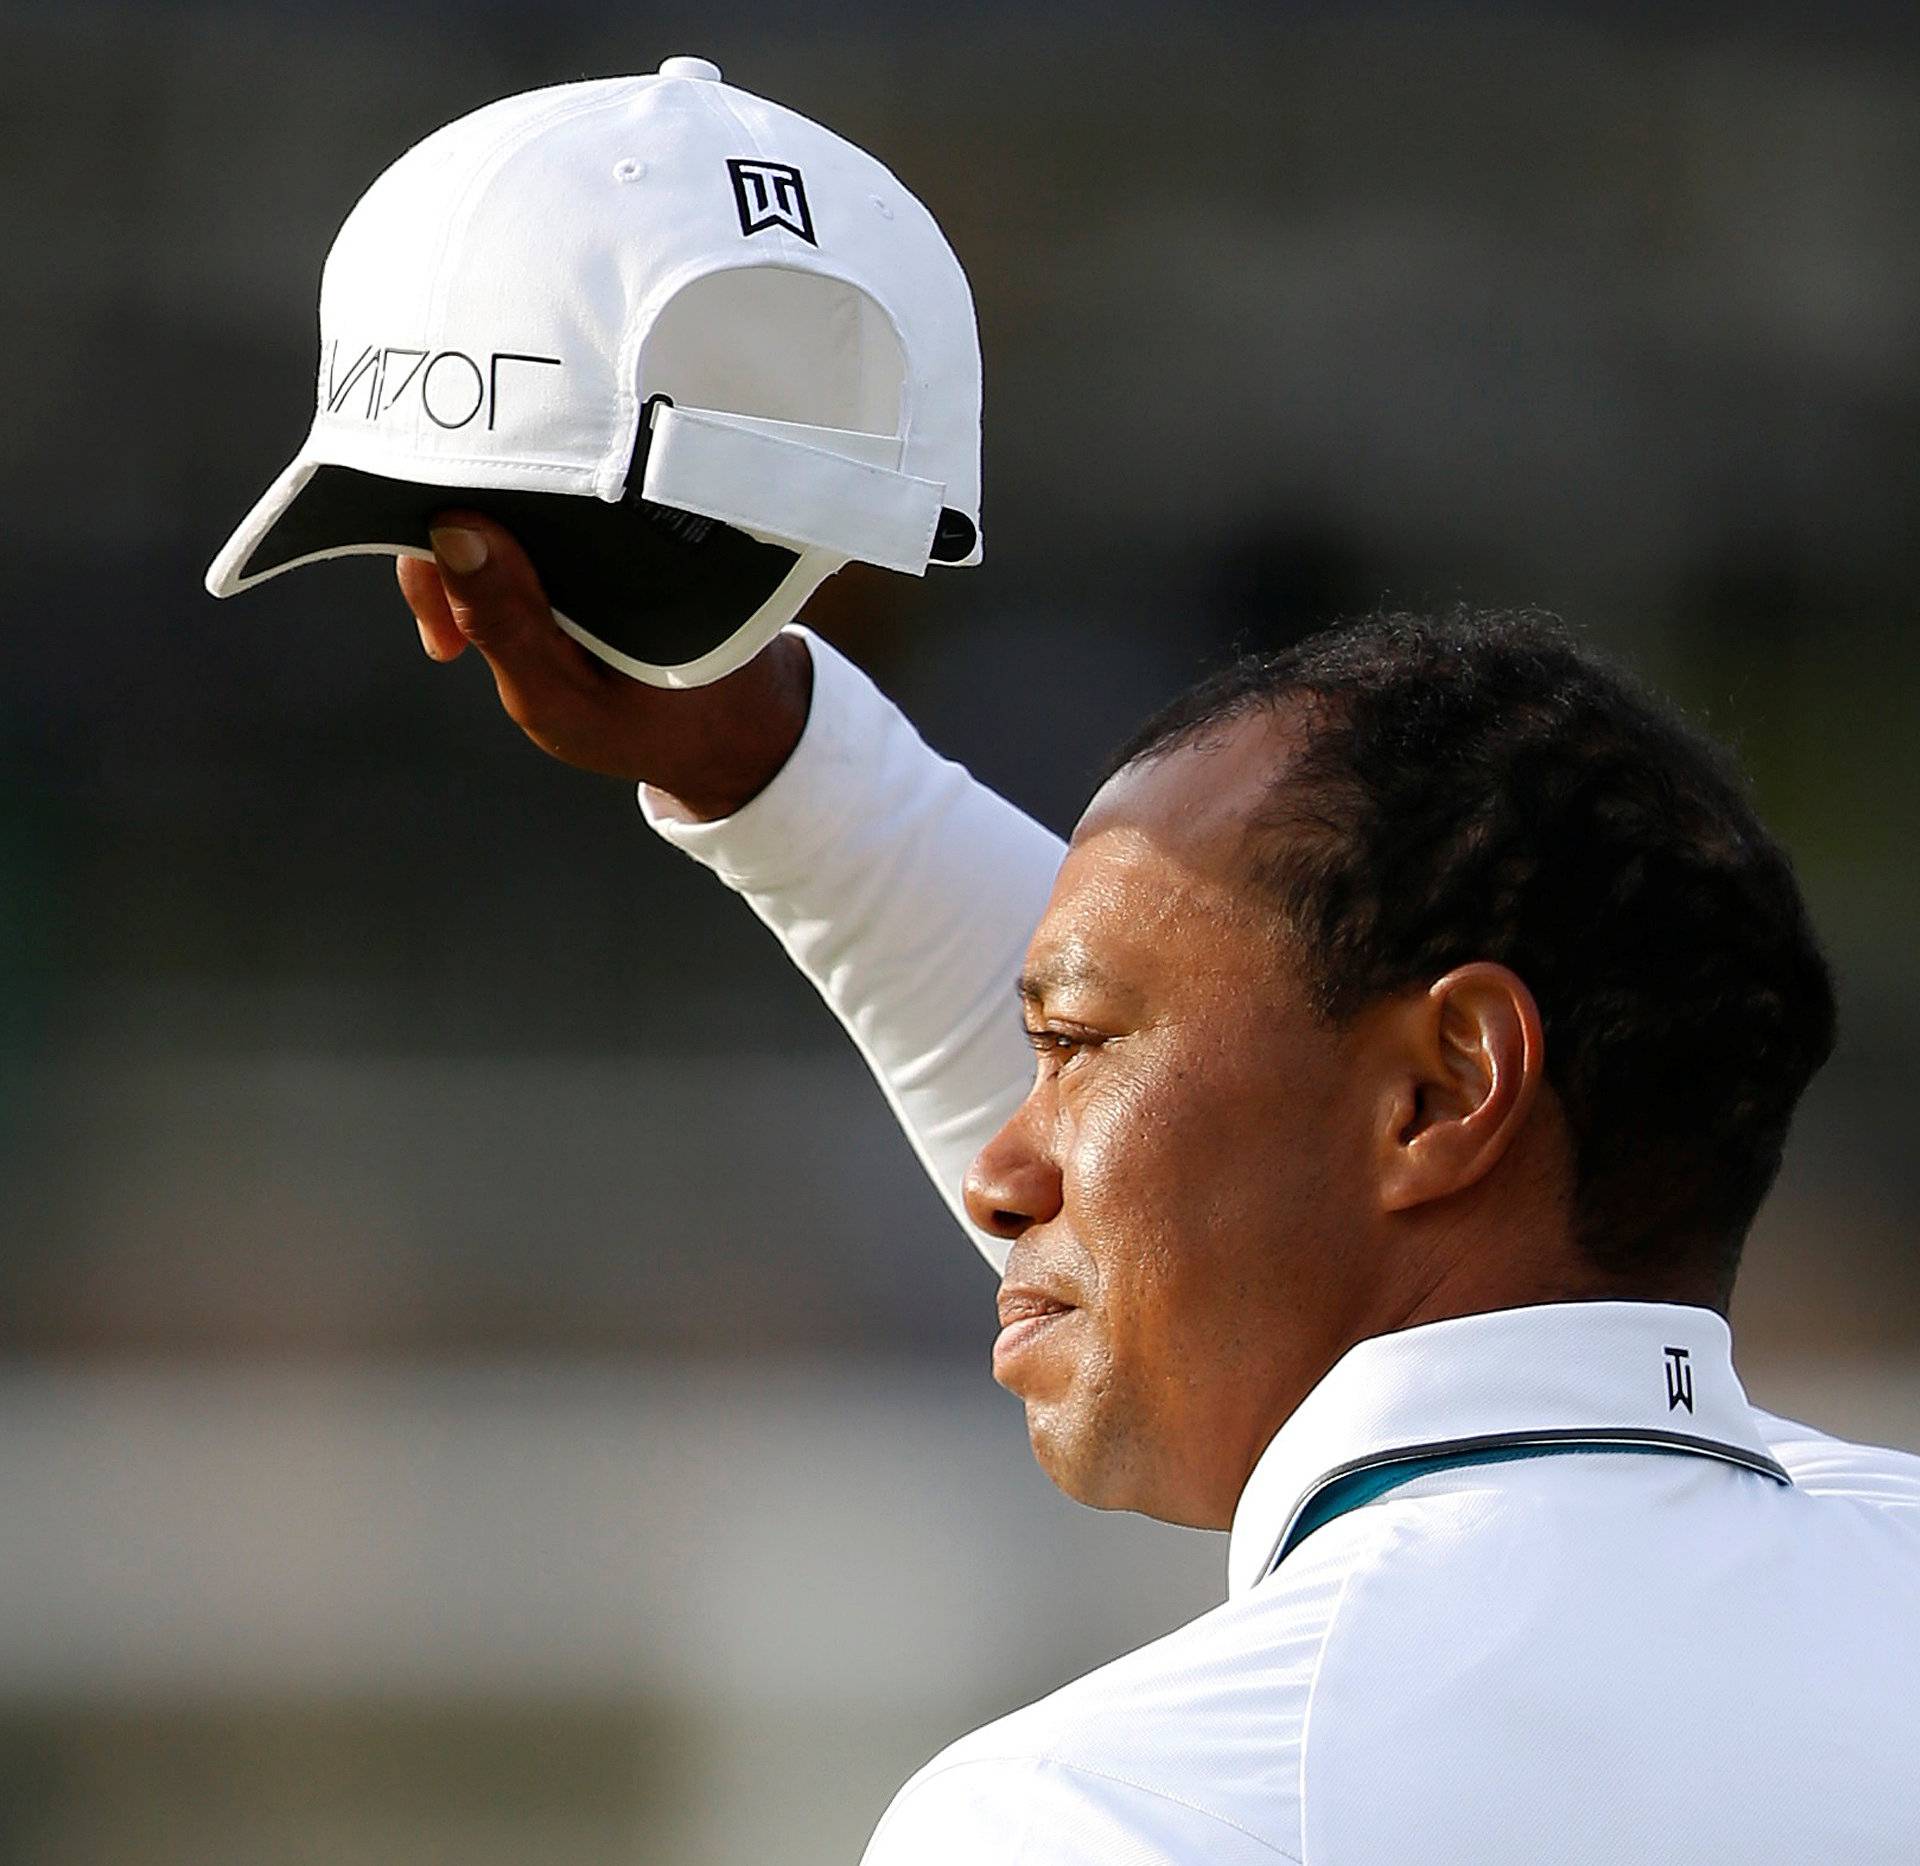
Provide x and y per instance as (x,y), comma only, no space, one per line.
(1027,1316)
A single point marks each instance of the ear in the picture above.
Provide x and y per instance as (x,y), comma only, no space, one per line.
(1470,1059)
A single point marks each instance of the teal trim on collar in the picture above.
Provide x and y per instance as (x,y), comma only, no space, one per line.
(1362,1487)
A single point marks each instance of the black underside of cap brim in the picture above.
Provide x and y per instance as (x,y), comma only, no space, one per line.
(653,583)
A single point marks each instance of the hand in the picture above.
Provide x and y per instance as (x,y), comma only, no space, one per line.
(713,748)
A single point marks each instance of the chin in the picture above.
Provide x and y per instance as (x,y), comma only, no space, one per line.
(1084,1464)
(1107,1472)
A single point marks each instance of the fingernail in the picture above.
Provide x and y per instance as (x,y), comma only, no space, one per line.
(426,640)
(463,552)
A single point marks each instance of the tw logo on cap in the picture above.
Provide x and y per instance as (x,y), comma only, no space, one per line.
(771,194)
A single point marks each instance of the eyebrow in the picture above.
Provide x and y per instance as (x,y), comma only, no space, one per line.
(1059,973)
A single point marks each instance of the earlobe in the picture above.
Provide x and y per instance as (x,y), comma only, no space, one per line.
(1474,1056)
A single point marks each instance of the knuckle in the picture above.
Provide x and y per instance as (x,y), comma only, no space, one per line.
(484,622)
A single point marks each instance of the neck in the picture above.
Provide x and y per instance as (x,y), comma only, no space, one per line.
(1473,1262)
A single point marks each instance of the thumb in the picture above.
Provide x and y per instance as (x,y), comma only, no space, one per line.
(492,588)
(497,603)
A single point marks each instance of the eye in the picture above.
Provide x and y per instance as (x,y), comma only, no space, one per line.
(1061,1045)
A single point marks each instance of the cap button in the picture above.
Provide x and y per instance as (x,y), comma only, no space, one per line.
(690,68)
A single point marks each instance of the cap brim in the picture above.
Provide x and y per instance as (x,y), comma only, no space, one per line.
(646,586)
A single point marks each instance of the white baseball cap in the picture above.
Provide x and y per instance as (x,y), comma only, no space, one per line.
(694,350)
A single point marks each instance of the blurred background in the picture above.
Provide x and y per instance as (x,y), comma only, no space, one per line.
(480,1377)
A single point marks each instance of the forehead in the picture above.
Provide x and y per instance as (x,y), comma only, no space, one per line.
(1198,799)
(1156,872)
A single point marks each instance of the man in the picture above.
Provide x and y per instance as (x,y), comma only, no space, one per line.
(1417,1019)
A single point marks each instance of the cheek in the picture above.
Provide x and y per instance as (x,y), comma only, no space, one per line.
(1163,1131)
(1194,1193)
(1112,1144)
(1139,1174)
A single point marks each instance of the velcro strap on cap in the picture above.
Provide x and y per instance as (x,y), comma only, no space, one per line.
(797,490)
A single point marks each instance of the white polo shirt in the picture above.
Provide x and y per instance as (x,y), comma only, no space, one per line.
(1536,1585)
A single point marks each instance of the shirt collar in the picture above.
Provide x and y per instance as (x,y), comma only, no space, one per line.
(1578,1373)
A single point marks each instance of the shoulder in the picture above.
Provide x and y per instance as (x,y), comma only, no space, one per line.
(1041,1811)
(1184,1749)
(1669,1622)
(1823,1465)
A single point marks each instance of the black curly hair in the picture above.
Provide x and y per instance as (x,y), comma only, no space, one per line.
(1481,785)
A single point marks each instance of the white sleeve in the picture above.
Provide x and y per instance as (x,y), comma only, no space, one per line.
(906,890)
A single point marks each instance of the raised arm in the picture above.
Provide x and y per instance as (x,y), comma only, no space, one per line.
(902,887)
(905,890)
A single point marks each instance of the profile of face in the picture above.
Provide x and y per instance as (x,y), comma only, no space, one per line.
(1210,1191)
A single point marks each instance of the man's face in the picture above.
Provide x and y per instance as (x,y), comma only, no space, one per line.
(1187,1183)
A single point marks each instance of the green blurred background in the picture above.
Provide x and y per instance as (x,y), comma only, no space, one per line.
(480,1378)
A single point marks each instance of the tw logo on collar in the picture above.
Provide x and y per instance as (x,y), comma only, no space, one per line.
(1679,1379)
(771,194)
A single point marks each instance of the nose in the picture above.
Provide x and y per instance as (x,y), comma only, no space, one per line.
(1013,1183)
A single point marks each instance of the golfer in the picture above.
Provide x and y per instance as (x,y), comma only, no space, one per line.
(1364,1111)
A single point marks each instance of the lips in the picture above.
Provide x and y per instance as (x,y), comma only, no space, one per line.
(1019,1302)
(1027,1316)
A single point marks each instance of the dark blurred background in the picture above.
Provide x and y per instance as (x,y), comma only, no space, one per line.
(445,1246)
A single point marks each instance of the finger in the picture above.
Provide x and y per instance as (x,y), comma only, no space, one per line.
(427,597)
(493,592)
(496,602)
